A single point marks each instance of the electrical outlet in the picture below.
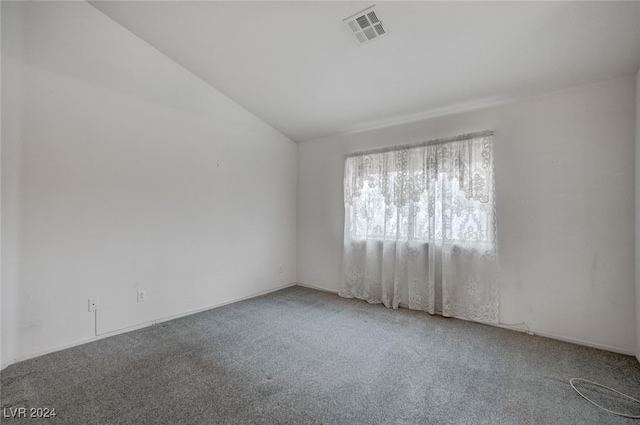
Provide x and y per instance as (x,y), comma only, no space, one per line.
(142,295)
(280,269)
(93,304)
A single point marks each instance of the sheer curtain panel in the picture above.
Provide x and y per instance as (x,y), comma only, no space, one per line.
(420,228)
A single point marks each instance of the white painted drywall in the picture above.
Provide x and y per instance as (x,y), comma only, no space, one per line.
(123,171)
(565,205)
(11,100)
(637,230)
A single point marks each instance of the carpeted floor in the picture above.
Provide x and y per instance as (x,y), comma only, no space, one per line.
(300,356)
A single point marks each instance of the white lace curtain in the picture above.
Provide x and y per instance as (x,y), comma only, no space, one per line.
(420,228)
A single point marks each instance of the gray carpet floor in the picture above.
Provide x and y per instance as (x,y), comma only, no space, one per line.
(300,356)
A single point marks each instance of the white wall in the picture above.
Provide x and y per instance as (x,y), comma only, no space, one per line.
(637,215)
(122,171)
(565,205)
(11,100)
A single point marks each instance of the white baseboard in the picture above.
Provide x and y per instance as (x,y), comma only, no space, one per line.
(317,288)
(9,363)
(135,327)
(585,343)
(561,338)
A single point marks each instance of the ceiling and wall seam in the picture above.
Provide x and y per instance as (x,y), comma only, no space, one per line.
(298,67)
(194,74)
(454,110)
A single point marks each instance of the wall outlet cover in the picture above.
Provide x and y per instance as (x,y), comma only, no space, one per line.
(93,304)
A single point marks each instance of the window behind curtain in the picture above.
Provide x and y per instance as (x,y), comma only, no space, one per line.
(420,228)
(430,193)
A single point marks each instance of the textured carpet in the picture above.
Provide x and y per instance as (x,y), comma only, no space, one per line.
(300,356)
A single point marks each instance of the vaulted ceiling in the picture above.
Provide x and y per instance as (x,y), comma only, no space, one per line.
(297,66)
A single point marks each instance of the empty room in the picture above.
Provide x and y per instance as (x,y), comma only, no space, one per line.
(320,212)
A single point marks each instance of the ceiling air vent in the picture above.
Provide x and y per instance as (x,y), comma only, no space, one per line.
(365,25)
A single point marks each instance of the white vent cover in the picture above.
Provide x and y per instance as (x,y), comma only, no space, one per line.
(365,25)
